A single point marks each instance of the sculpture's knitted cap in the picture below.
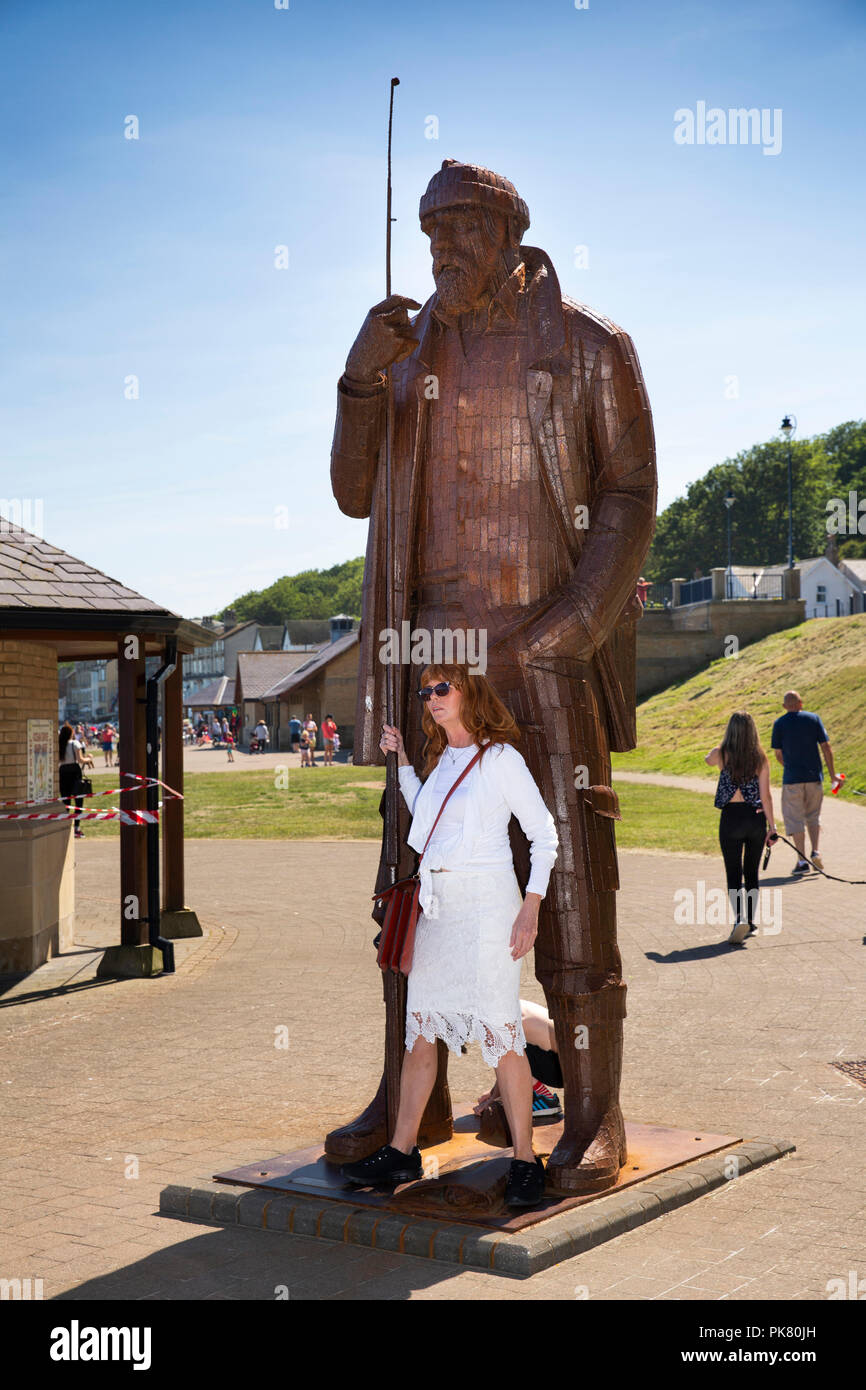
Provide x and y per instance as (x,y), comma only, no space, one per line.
(459,184)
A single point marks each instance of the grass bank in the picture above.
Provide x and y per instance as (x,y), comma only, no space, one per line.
(824,659)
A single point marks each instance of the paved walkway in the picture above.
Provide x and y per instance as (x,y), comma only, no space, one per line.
(111,1090)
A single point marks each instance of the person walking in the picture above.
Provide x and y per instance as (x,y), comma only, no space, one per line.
(475,927)
(797,737)
(295,733)
(329,731)
(71,761)
(262,735)
(747,822)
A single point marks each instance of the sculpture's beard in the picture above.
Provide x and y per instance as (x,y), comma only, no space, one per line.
(457,288)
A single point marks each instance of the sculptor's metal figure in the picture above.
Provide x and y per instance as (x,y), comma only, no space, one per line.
(524,501)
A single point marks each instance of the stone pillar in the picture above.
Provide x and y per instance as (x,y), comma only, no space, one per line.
(37,875)
(719,575)
(791,583)
(676,584)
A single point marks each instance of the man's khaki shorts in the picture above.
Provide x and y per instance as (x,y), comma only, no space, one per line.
(801,805)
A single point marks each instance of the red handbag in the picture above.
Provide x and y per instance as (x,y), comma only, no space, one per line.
(397,939)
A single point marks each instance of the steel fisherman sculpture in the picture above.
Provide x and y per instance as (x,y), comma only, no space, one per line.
(523,493)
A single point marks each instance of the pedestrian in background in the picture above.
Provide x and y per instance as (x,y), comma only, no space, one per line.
(329,733)
(107,741)
(312,730)
(798,735)
(71,759)
(747,822)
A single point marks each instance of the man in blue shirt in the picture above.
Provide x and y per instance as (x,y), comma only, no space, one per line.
(797,738)
(295,733)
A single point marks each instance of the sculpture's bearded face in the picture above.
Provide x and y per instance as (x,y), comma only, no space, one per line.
(470,247)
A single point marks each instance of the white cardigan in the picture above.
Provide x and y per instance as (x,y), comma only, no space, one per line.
(498,787)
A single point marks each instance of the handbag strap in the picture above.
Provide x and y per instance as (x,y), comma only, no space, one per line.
(467,769)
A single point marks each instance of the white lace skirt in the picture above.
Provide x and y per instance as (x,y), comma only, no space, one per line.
(463,984)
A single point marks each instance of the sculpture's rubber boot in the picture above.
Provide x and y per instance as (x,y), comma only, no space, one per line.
(369,1130)
(592,1149)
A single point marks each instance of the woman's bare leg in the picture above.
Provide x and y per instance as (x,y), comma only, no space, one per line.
(416,1084)
(515,1084)
(539,1030)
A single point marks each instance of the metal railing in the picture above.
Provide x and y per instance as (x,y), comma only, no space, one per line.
(754,586)
(696,590)
(660,596)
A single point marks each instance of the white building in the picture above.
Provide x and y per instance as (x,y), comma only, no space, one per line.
(828,592)
(855,570)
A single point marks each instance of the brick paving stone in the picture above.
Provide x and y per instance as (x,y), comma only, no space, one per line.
(756,1029)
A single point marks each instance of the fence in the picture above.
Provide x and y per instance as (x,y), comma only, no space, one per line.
(737,585)
(660,596)
(697,590)
(759,586)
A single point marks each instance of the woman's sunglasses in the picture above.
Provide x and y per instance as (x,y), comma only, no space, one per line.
(441,689)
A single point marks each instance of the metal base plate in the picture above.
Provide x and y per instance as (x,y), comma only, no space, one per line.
(465,1178)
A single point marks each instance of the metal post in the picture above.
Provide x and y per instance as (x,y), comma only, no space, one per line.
(790,511)
(152,829)
(730,576)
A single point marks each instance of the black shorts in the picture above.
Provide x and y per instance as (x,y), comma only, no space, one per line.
(544,1065)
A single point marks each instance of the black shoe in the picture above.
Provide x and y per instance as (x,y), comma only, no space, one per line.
(525,1187)
(803,867)
(386,1165)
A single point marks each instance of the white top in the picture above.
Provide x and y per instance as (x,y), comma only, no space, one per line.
(69,752)
(473,830)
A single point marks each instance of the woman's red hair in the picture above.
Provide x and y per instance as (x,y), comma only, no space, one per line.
(482,713)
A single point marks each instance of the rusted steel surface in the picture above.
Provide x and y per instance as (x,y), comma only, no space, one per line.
(524,492)
(466,1177)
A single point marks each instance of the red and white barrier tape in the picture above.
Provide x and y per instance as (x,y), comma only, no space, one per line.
(143,784)
(125,817)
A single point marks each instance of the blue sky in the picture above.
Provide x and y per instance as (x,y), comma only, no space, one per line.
(154,258)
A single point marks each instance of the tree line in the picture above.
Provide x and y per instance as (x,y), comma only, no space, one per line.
(692,532)
(310,594)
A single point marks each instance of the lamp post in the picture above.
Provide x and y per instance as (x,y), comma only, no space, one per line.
(787,428)
(729,500)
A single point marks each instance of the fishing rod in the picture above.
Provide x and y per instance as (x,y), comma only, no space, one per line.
(392,785)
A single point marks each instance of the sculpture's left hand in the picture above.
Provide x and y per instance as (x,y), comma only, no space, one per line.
(525,928)
(542,637)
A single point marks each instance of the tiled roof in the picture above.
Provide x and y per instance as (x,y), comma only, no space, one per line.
(219,692)
(856,569)
(258,671)
(34,574)
(804,566)
(312,664)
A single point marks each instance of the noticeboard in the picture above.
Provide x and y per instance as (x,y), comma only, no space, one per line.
(41,741)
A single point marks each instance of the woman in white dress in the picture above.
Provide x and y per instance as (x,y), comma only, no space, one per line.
(475,927)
